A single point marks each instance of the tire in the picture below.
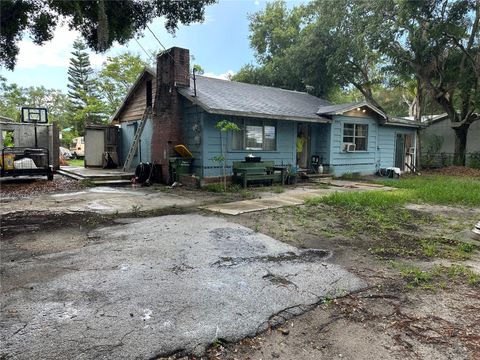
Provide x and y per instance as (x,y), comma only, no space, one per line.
(74,156)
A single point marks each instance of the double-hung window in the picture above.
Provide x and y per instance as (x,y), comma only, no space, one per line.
(356,134)
(255,135)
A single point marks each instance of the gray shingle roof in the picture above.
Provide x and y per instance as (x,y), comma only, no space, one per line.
(240,99)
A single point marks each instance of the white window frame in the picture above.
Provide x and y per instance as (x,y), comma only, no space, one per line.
(355,136)
(242,124)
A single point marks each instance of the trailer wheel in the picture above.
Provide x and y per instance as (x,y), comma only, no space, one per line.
(50,177)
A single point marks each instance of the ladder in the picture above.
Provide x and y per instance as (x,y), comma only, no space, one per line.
(136,139)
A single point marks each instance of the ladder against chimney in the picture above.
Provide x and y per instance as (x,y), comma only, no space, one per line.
(136,139)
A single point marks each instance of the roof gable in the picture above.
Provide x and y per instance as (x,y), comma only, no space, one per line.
(143,75)
(341,109)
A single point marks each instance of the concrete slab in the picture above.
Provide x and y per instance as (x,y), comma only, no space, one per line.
(156,286)
(290,197)
(97,173)
(102,200)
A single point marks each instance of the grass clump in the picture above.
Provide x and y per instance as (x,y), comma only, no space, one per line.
(76,162)
(438,276)
(351,176)
(278,189)
(438,189)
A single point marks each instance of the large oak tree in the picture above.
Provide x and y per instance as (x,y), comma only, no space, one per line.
(100,22)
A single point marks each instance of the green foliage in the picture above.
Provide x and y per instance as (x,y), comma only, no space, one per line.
(116,77)
(101,23)
(447,190)
(85,107)
(197,69)
(8,140)
(437,276)
(474,160)
(13,97)
(351,176)
(224,126)
(286,59)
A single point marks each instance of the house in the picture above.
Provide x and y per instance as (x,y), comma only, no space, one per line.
(288,127)
(438,136)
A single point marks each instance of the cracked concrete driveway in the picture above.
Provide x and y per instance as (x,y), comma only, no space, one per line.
(102,200)
(157,286)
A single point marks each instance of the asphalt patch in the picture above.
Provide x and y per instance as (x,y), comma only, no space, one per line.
(159,286)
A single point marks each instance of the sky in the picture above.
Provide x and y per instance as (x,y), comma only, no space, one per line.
(219,45)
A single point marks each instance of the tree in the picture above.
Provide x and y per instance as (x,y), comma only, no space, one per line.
(278,39)
(100,23)
(13,97)
(224,126)
(116,77)
(436,42)
(420,50)
(85,105)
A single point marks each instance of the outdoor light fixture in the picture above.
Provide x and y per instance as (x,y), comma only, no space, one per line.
(364,110)
(358,109)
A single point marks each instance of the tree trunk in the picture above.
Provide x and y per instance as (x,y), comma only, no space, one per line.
(460,144)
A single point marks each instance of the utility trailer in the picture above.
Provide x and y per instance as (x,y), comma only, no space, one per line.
(26,161)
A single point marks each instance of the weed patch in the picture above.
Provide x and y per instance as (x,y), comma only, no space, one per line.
(438,276)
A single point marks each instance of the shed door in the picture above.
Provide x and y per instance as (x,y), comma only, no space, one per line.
(400,151)
(94,147)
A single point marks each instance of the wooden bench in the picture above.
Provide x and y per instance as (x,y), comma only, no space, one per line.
(244,172)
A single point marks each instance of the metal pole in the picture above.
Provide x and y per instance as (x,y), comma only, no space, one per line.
(35,126)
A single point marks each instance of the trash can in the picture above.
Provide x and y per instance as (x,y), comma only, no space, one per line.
(179,166)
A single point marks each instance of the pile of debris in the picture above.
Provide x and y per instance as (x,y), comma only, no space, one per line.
(19,188)
(456,171)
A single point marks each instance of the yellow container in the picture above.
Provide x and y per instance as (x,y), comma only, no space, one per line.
(9,159)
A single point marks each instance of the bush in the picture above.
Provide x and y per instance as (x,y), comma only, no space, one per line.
(474,161)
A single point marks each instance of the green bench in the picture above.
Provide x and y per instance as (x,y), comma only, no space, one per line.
(244,172)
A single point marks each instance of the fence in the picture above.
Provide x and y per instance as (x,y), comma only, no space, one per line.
(437,160)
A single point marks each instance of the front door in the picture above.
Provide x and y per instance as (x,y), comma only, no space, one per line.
(400,151)
(302,145)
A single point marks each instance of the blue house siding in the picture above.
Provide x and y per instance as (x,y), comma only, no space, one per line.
(380,147)
(361,161)
(386,145)
(192,134)
(127,132)
(283,155)
(320,142)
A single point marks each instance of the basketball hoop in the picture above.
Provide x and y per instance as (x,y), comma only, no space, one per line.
(35,116)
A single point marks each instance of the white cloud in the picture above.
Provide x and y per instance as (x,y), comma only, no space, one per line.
(257,2)
(54,53)
(225,76)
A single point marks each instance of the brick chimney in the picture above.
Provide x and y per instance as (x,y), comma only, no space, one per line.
(173,71)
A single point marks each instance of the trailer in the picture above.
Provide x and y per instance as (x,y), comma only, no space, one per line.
(29,160)
(25,161)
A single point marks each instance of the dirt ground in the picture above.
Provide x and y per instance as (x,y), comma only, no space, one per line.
(390,319)
(401,315)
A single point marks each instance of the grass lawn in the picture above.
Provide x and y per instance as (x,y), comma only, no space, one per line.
(438,189)
(76,162)
(392,231)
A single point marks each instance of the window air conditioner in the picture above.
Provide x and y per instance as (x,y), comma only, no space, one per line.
(349,147)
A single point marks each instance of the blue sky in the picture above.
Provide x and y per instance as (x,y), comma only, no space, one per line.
(220,45)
